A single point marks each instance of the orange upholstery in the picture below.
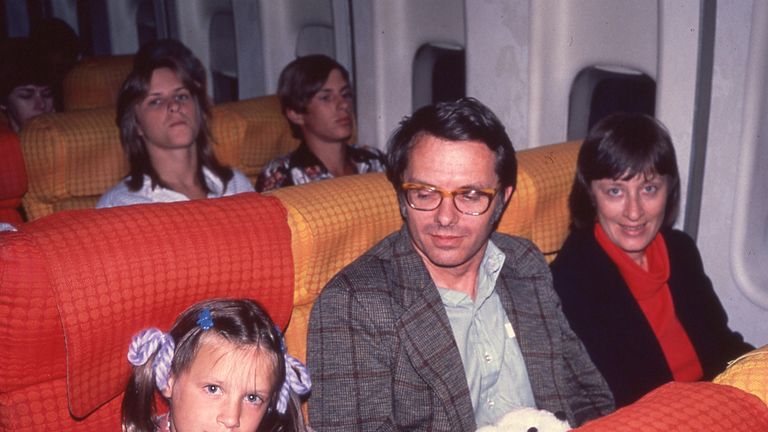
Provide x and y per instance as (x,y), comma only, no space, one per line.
(749,373)
(72,158)
(93,278)
(332,223)
(13,177)
(267,135)
(335,221)
(687,407)
(95,82)
(539,208)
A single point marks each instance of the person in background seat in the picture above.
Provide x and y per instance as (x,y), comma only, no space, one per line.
(633,288)
(317,99)
(26,85)
(163,112)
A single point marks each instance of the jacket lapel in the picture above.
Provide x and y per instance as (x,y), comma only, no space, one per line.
(427,337)
(519,296)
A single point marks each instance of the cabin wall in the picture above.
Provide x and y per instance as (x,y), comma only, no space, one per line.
(734,210)
(387,37)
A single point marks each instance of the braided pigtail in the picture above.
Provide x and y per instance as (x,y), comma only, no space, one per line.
(151,354)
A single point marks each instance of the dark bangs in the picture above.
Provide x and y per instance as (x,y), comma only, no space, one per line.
(620,147)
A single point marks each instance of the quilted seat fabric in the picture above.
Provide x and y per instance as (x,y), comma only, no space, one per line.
(13,176)
(749,373)
(77,285)
(332,223)
(266,135)
(95,82)
(542,214)
(687,407)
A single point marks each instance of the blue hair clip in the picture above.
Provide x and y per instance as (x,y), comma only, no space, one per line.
(204,320)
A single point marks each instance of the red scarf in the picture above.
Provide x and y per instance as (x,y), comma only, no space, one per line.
(651,291)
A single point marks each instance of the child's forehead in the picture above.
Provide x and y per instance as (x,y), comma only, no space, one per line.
(219,359)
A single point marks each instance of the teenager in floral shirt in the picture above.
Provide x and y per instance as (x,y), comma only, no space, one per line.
(317,100)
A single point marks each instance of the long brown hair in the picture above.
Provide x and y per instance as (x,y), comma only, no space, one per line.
(171,54)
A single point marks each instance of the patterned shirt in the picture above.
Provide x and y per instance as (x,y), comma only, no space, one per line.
(302,166)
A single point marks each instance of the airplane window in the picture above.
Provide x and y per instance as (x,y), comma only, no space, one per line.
(316,39)
(602,90)
(439,74)
(223,58)
(146,25)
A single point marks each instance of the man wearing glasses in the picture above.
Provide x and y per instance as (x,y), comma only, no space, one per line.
(446,325)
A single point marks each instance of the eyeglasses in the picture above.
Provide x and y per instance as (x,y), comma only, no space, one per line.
(473,202)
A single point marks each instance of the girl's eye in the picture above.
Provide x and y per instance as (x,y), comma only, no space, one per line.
(650,189)
(347,95)
(155,102)
(212,388)
(614,191)
(182,97)
(254,399)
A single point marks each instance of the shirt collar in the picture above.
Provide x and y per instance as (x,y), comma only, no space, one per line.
(215,186)
(490,266)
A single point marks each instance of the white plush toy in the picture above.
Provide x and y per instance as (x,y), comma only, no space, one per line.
(528,420)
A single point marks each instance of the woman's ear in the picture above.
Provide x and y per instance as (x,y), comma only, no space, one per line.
(168,390)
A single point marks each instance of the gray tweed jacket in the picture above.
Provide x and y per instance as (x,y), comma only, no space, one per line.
(382,355)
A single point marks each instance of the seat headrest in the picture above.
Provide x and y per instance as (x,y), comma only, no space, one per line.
(116,271)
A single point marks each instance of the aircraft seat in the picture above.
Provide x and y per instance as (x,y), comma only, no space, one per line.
(13,177)
(95,82)
(73,157)
(77,285)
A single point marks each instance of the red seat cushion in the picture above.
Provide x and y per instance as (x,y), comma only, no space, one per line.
(108,273)
(13,176)
(688,407)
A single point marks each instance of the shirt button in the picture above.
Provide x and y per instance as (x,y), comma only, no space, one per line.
(491,403)
(487,358)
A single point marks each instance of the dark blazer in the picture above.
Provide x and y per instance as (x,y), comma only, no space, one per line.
(605,315)
(382,355)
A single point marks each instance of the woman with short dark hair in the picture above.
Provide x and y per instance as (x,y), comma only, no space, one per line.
(633,288)
(26,85)
(163,112)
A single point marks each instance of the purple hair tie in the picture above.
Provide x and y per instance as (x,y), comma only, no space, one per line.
(145,344)
(296,377)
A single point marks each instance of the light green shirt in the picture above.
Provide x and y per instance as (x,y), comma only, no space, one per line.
(496,374)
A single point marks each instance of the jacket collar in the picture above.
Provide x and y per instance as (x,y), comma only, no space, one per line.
(426,333)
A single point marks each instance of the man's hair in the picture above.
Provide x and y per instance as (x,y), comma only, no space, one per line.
(622,146)
(300,81)
(171,54)
(465,119)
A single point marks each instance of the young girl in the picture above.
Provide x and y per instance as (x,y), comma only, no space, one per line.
(222,366)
